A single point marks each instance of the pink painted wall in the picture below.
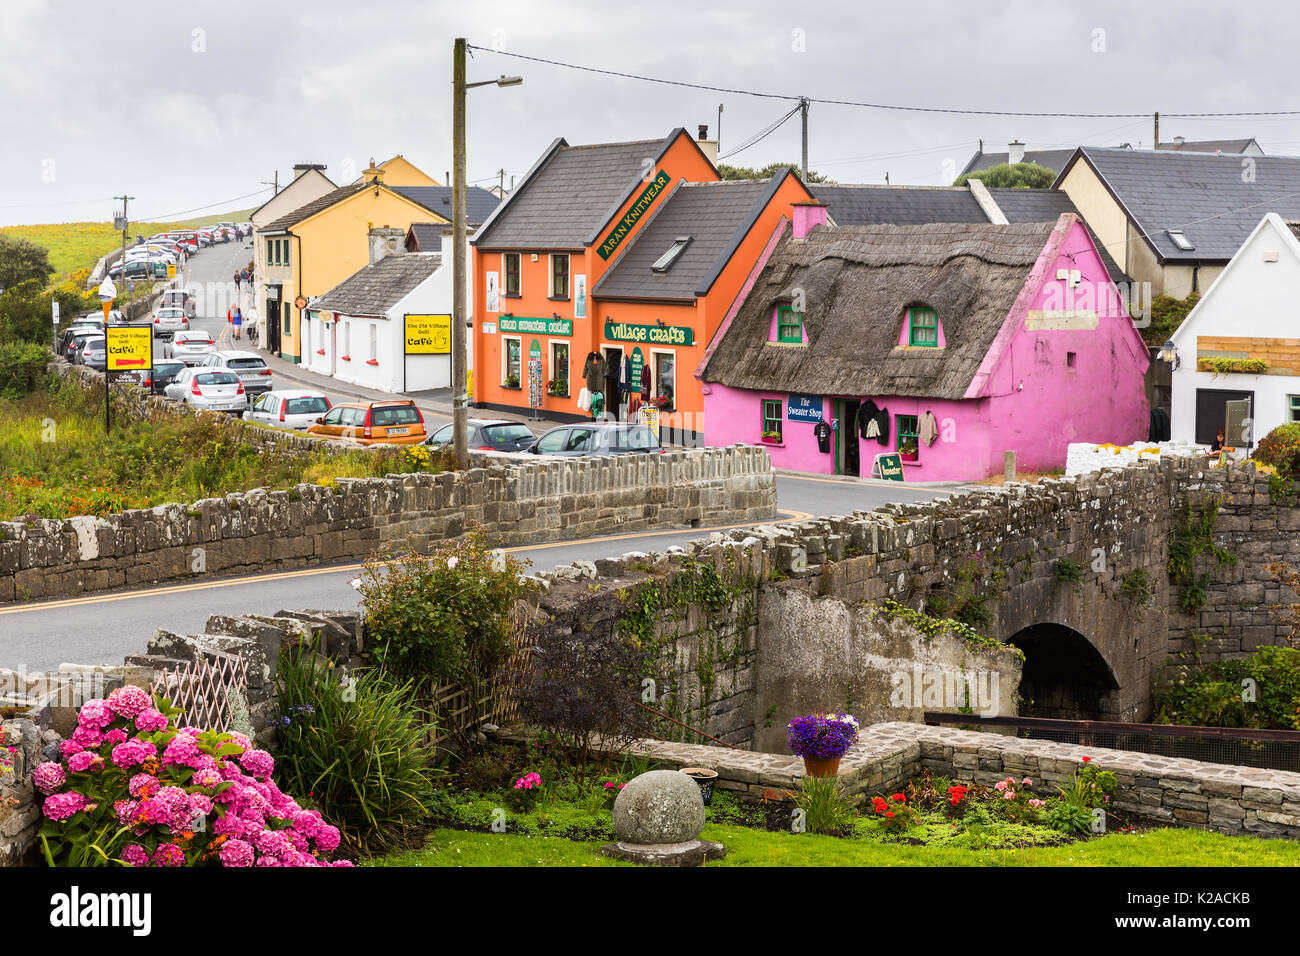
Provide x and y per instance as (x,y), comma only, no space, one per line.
(1100,398)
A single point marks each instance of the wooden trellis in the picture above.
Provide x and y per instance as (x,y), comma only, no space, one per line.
(201,689)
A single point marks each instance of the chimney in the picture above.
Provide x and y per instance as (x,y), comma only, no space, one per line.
(385,242)
(1015,152)
(708,146)
(300,168)
(808,215)
(373,173)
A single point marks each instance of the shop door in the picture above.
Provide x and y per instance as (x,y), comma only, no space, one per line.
(848,448)
(272,314)
(613,373)
(1211,413)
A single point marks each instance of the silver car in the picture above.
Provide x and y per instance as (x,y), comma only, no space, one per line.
(190,347)
(169,320)
(249,366)
(288,409)
(215,390)
(94,353)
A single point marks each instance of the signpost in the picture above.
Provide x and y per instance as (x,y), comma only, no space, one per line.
(129,347)
(888,467)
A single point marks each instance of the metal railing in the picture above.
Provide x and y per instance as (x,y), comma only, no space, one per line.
(1236,746)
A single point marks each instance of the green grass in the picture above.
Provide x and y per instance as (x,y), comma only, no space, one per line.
(78,245)
(749,847)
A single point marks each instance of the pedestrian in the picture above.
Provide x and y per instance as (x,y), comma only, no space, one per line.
(238,276)
(238,322)
(252,326)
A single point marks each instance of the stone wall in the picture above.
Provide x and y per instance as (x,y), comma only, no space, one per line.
(260,530)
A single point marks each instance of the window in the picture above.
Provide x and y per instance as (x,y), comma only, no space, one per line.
(347,341)
(284,254)
(664,380)
(559,277)
(513,283)
(665,262)
(559,383)
(443,435)
(908,444)
(1070,359)
(772,418)
(374,343)
(510,358)
(923,327)
(789,324)
(287,330)
(302,406)
(270,252)
(553,442)
(1294,402)
(579,440)
(395,415)
(1180,240)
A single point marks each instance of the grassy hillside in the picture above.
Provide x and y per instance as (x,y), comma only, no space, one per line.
(78,245)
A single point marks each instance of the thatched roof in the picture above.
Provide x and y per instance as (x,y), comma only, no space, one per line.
(857,281)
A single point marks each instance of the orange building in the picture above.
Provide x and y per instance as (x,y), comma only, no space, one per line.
(633,251)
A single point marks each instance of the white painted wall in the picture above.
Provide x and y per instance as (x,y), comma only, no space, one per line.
(1253,298)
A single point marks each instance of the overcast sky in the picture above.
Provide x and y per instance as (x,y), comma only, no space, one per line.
(190,106)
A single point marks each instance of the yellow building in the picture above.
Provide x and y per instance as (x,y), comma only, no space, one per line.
(400,171)
(310,250)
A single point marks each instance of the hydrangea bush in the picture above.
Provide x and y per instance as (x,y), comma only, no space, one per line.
(134,789)
(822,736)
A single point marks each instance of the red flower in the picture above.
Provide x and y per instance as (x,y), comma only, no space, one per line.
(879,805)
(899,798)
(1086,759)
(890,814)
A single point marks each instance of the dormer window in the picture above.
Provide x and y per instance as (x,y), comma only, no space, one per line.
(1181,241)
(923,327)
(789,325)
(665,262)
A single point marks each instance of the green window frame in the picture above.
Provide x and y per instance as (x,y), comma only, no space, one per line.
(287,330)
(270,252)
(906,432)
(1294,402)
(923,328)
(285,256)
(789,325)
(773,416)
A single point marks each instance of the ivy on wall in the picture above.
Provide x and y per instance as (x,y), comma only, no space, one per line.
(1191,536)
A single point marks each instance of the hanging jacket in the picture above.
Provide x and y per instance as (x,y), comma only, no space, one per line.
(594,372)
(871,429)
(928,430)
(867,414)
(882,422)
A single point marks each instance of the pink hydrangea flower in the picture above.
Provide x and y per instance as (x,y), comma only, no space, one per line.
(327,838)
(150,719)
(95,715)
(70,747)
(126,810)
(257,762)
(87,736)
(48,777)
(115,736)
(85,760)
(143,785)
(236,853)
(205,778)
(60,806)
(128,701)
(267,861)
(182,750)
(133,854)
(168,854)
(133,752)
(237,738)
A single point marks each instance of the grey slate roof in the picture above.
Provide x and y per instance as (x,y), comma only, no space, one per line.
(1052,159)
(918,205)
(857,282)
(374,289)
(428,235)
(1203,194)
(715,215)
(479,203)
(573,193)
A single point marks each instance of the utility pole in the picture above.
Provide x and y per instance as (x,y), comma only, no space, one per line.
(719,128)
(459,359)
(501,181)
(122,261)
(803,109)
(1157,133)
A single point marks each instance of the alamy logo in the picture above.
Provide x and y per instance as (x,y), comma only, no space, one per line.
(75,909)
(939,688)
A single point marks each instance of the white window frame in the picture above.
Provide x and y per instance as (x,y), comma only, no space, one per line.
(347,340)
(1293,408)
(374,340)
(550,360)
(655,355)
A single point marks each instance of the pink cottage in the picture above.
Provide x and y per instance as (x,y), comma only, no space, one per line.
(947,344)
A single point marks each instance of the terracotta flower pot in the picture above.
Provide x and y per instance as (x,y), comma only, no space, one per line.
(822,766)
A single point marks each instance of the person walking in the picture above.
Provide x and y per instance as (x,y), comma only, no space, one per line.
(238,277)
(238,322)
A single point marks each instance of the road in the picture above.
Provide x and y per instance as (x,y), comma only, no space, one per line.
(102,628)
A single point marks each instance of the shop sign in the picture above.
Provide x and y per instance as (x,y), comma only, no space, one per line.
(638,363)
(804,408)
(654,334)
(517,323)
(889,467)
(129,347)
(634,214)
(426,334)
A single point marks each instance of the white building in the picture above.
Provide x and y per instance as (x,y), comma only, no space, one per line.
(1247,316)
(358,330)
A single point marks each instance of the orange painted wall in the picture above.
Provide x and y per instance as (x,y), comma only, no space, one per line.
(682,160)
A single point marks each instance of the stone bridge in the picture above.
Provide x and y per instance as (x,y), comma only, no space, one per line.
(1074,572)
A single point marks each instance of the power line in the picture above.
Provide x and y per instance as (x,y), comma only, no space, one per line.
(885,106)
(760,135)
(172,215)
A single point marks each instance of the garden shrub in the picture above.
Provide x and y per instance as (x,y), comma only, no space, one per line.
(135,789)
(1281,449)
(357,745)
(827,808)
(1212,697)
(22,368)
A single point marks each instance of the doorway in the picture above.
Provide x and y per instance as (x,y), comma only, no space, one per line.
(848,450)
(613,376)
(273,325)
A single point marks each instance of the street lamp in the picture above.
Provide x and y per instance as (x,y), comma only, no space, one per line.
(459,340)
(1169,354)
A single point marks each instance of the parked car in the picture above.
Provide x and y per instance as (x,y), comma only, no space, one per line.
(210,389)
(78,325)
(190,347)
(597,438)
(488,434)
(93,352)
(169,320)
(249,366)
(286,409)
(181,299)
(376,423)
(139,269)
(76,339)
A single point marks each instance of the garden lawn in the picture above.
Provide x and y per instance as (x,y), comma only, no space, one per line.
(751,847)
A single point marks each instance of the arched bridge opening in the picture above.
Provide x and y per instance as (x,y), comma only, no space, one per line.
(1065,676)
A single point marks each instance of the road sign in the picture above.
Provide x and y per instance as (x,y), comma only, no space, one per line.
(129,347)
(428,335)
(54,307)
(888,467)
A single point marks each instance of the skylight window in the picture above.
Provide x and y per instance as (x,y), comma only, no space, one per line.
(1180,240)
(665,262)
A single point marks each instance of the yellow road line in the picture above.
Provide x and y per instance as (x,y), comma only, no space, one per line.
(341,568)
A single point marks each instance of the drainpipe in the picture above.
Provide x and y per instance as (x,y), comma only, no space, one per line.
(1196,268)
(299,295)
